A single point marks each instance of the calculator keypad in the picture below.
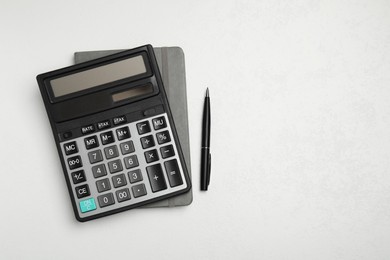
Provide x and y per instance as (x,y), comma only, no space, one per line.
(121,163)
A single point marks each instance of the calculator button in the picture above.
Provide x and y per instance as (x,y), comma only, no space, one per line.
(131,161)
(91,142)
(87,205)
(87,129)
(123,133)
(95,156)
(135,176)
(119,180)
(78,177)
(82,191)
(106,200)
(123,194)
(139,190)
(167,151)
(67,135)
(103,185)
(115,166)
(151,156)
(159,123)
(147,141)
(173,172)
(119,120)
(70,148)
(163,137)
(149,112)
(107,137)
(74,162)
(143,127)
(104,125)
(156,177)
(99,170)
(111,152)
(127,147)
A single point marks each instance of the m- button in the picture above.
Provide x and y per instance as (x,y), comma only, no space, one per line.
(70,148)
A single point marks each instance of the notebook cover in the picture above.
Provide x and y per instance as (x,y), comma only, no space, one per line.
(172,68)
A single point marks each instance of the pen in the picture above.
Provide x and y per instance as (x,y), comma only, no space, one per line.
(205,163)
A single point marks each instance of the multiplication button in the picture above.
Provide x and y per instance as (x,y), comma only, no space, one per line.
(151,156)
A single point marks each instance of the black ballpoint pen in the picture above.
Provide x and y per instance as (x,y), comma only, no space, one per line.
(205,163)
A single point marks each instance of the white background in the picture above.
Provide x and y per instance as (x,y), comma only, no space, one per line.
(300,95)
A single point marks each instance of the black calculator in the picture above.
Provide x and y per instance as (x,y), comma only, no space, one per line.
(114,133)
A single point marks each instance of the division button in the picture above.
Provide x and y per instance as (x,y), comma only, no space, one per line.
(167,151)
(143,127)
(115,166)
(123,133)
(107,137)
(127,147)
(87,129)
(173,172)
(70,148)
(99,170)
(151,156)
(119,180)
(104,125)
(103,185)
(106,200)
(78,177)
(91,142)
(163,137)
(159,123)
(131,161)
(139,190)
(95,156)
(123,194)
(147,141)
(87,205)
(135,176)
(156,177)
(82,191)
(74,162)
(119,120)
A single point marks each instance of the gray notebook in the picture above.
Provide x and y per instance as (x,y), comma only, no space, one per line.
(171,63)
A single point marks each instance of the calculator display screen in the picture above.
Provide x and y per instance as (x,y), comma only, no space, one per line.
(98,76)
(133,92)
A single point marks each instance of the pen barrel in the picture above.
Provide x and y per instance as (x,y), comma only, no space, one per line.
(204,168)
(206,123)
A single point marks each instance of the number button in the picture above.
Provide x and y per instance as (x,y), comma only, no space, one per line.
(78,177)
(131,161)
(106,200)
(107,137)
(119,180)
(82,191)
(127,147)
(163,137)
(156,177)
(103,185)
(91,142)
(147,141)
(70,148)
(135,176)
(167,151)
(75,162)
(115,166)
(159,123)
(123,195)
(139,190)
(87,205)
(95,156)
(123,133)
(99,170)
(143,127)
(111,152)
(151,156)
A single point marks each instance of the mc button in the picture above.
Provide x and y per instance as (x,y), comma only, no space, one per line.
(70,148)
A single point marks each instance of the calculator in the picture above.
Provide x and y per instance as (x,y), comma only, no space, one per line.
(114,133)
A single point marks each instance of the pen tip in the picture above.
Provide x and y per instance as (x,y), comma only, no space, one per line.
(207,92)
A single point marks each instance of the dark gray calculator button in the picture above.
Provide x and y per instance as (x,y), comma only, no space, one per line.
(151,156)
(173,172)
(143,127)
(70,148)
(139,190)
(127,147)
(115,166)
(159,123)
(163,137)
(95,156)
(99,170)
(156,177)
(119,180)
(107,137)
(103,185)
(135,176)
(91,142)
(74,162)
(119,120)
(78,177)
(147,141)
(123,194)
(111,152)
(167,151)
(82,191)
(106,200)
(87,129)
(103,125)
(123,133)
(131,161)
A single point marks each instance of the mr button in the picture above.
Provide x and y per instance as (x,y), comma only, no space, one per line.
(70,148)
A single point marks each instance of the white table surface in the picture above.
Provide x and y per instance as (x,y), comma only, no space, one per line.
(300,95)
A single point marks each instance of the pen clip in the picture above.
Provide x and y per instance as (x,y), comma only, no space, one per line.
(209,170)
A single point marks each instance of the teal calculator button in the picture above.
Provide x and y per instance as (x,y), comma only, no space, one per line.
(87,205)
